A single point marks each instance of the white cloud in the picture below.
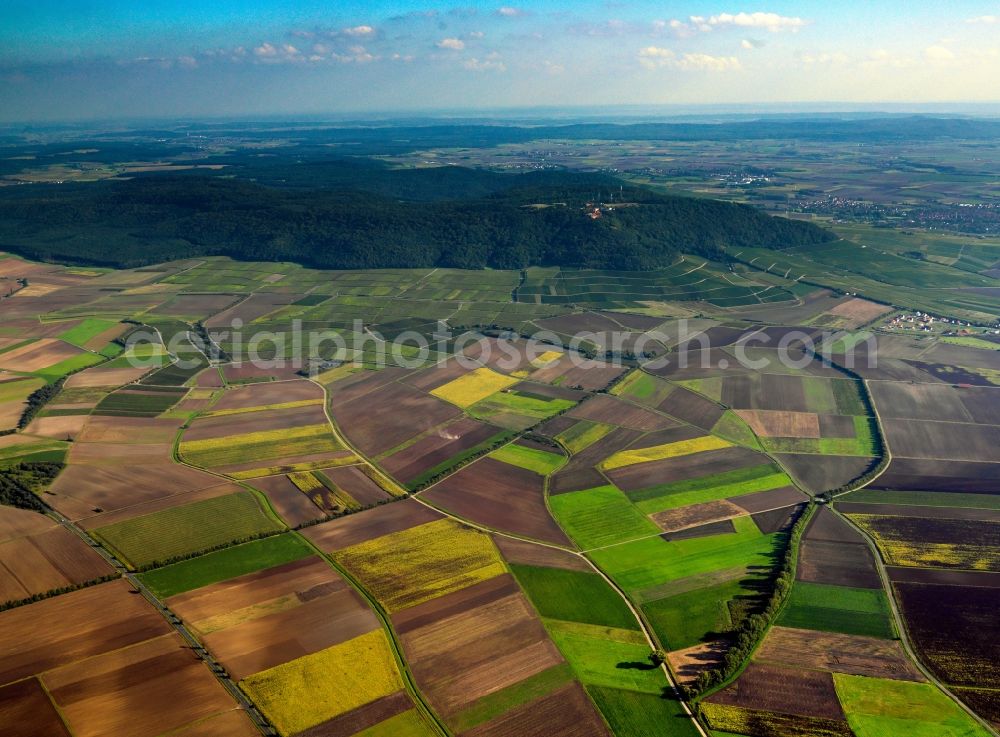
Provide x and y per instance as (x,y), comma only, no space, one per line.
(654,57)
(452,44)
(359,31)
(508,11)
(769,21)
(476,34)
(490,64)
(985,20)
(939,53)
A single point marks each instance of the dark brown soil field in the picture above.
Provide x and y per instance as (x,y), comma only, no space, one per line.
(557,425)
(46,560)
(819,473)
(692,408)
(548,391)
(293,506)
(725,527)
(943,577)
(838,563)
(463,657)
(775,424)
(247,422)
(955,630)
(933,475)
(777,520)
(778,392)
(210,378)
(952,374)
(259,395)
(960,543)
(836,426)
(38,355)
(500,496)
(25,711)
(138,691)
(696,364)
(564,713)
(360,719)
(695,515)
(718,337)
(457,602)
(671,435)
(498,356)
(580,472)
(129,430)
(247,371)
(957,355)
(524,553)
(765,501)
(827,651)
(691,662)
(390,417)
(900,510)
(436,376)
(364,382)
(582,322)
(919,401)
(588,375)
(256,305)
(611,411)
(356,483)
(644,475)
(982,404)
(826,525)
(446,442)
(783,690)
(78,625)
(985,702)
(342,533)
(195,305)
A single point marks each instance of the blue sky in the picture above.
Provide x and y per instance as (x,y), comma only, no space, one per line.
(64,59)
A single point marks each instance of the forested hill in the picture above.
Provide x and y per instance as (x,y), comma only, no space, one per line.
(376,220)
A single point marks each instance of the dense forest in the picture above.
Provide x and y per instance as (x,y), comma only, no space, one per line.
(364,216)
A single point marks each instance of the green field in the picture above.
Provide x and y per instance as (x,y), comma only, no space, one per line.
(826,608)
(225,564)
(643,388)
(599,517)
(502,701)
(259,446)
(533,459)
(864,443)
(583,434)
(709,488)
(878,707)
(574,596)
(133,404)
(187,529)
(87,330)
(605,656)
(637,714)
(653,561)
(518,403)
(69,366)
(732,427)
(684,620)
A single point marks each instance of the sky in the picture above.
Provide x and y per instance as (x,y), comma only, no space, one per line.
(110,59)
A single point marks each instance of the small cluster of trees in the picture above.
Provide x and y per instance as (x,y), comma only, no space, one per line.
(38,399)
(20,483)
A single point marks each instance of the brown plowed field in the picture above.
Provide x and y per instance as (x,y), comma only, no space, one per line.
(919,401)
(725,527)
(130,430)
(764,501)
(364,382)
(932,475)
(500,496)
(390,417)
(611,411)
(943,577)
(38,355)
(113,488)
(461,658)
(523,553)
(356,483)
(259,395)
(247,422)
(293,506)
(360,719)
(580,472)
(691,662)
(819,473)
(859,312)
(581,322)
(457,602)
(567,712)
(578,374)
(233,723)
(256,305)
(777,520)
(357,528)
(436,376)
(77,625)
(45,561)
(954,629)
(783,690)
(94,521)
(671,435)
(16,522)
(439,446)
(644,475)
(860,656)
(109,377)
(25,711)
(694,515)
(210,378)
(195,305)
(838,563)
(836,426)
(157,685)
(982,404)
(950,441)
(775,424)
(550,392)
(286,464)
(692,408)
(899,510)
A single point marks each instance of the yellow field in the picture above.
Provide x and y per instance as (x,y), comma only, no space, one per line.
(473,387)
(388,485)
(259,445)
(305,481)
(310,690)
(902,552)
(413,566)
(546,358)
(669,450)
(303,466)
(262,407)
